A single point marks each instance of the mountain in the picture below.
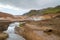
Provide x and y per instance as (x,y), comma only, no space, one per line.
(49,10)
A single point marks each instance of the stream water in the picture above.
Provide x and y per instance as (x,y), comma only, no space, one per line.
(11,32)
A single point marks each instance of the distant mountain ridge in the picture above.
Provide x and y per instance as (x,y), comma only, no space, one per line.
(49,10)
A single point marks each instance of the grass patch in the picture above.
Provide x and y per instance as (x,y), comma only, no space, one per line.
(22,24)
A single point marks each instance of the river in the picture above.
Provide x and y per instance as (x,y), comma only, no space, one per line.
(12,34)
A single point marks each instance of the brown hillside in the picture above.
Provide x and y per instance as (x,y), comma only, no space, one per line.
(2,14)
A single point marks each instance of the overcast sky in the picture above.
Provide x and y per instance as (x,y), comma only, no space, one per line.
(19,7)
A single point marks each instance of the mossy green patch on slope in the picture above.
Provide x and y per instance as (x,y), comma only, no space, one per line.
(50,10)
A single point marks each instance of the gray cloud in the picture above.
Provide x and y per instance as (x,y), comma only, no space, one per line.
(31,4)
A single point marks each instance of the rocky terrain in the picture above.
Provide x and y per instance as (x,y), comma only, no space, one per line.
(47,29)
(4,25)
(5,20)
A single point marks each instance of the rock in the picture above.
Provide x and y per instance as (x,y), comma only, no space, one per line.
(4,26)
(51,30)
(3,36)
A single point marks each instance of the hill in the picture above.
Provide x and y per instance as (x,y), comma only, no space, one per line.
(2,14)
(50,10)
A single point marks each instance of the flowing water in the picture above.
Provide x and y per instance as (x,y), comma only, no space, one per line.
(12,35)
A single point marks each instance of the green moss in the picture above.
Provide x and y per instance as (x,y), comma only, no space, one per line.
(53,10)
(21,24)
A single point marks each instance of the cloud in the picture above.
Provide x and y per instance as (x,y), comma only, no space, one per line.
(9,7)
(12,10)
(31,4)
